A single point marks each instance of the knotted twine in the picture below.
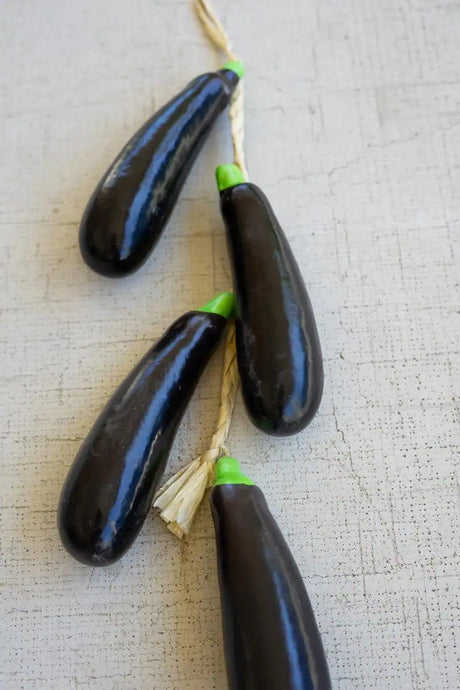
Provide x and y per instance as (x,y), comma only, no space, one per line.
(179,498)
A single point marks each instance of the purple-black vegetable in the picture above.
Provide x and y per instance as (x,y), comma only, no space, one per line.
(271,638)
(110,486)
(132,203)
(279,354)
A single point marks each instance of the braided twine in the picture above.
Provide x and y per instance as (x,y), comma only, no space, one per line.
(179,498)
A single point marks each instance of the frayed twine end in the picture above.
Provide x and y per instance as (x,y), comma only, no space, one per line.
(179,498)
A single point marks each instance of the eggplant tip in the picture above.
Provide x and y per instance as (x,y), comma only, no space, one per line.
(228,175)
(228,471)
(236,66)
(222,304)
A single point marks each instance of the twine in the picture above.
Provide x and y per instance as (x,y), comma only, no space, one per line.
(179,498)
(216,33)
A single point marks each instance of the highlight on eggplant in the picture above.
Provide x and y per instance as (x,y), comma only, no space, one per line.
(132,203)
(278,348)
(271,639)
(110,486)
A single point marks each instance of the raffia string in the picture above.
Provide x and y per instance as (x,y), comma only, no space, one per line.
(179,498)
(220,40)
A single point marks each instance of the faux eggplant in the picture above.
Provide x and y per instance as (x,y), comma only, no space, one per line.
(109,489)
(271,639)
(132,203)
(279,354)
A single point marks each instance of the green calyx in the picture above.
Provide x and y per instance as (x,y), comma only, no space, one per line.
(222,304)
(236,66)
(228,471)
(228,175)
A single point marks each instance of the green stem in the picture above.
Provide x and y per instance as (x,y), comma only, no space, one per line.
(228,471)
(228,176)
(223,304)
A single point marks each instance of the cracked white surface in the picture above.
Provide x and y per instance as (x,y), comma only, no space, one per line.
(353,130)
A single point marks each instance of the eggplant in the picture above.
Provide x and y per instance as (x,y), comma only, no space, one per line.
(131,205)
(271,639)
(278,349)
(110,486)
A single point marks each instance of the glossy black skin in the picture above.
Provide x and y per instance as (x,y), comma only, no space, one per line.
(109,489)
(131,204)
(271,639)
(279,354)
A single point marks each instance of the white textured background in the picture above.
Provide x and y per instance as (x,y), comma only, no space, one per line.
(353,130)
